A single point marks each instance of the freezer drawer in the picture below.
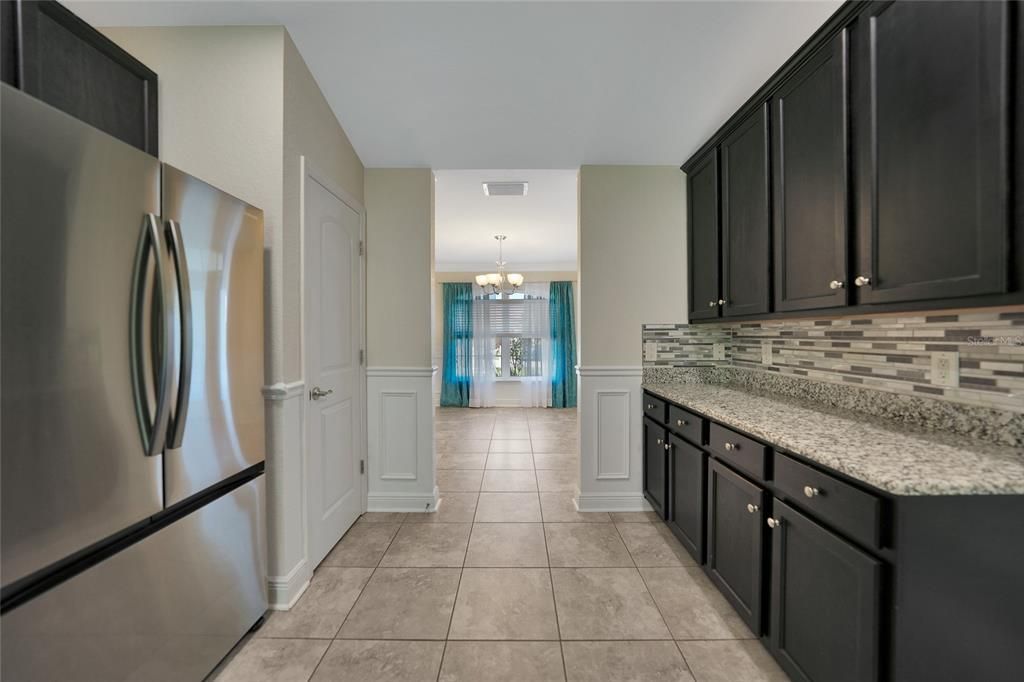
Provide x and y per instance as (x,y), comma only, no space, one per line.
(167,608)
(216,427)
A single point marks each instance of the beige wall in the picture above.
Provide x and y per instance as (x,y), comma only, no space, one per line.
(238,107)
(632,258)
(221,119)
(310,130)
(398,266)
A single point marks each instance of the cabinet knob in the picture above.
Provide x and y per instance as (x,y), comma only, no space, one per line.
(650,406)
(722,301)
(836,284)
(862,280)
(680,422)
(752,508)
(810,492)
(658,441)
(732,446)
(712,304)
(773,523)
(668,446)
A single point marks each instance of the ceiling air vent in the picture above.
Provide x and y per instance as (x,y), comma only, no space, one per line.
(505,189)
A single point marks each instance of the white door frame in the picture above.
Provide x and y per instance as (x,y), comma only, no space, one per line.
(310,171)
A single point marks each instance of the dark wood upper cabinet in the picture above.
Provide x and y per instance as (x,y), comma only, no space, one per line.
(809,182)
(745,219)
(656,466)
(932,148)
(734,540)
(825,602)
(703,221)
(56,57)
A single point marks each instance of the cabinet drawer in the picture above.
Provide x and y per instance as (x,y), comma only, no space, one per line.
(742,452)
(686,424)
(654,408)
(848,509)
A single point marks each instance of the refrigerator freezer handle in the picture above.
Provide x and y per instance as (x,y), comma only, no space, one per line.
(152,430)
(177,430)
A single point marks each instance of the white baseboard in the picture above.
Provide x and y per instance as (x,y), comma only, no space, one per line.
(283,591)
(611,502)
(402,502)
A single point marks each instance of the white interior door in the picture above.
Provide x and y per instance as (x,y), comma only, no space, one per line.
(333,339)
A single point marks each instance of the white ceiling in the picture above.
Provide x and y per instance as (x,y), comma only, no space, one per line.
(541,227)
(519,85)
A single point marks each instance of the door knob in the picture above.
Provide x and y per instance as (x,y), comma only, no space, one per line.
(318,393)
(862,280)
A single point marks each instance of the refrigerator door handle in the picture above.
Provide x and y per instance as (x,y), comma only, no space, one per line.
(145,353)
(177,430)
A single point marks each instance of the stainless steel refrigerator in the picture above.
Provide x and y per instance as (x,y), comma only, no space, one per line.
(132,423)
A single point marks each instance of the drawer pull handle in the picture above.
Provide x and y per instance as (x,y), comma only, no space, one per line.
(752,508)
(732,446)
(811,492)
(680,422)
(774,523)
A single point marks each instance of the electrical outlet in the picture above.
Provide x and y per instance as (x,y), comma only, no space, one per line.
(766,353)
(718,351)
(650,351)
(946,369)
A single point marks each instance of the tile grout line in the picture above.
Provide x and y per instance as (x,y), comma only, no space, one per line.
(355,601)
(547,554)
(462,569)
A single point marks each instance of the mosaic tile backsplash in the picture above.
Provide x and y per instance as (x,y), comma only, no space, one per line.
(891,353)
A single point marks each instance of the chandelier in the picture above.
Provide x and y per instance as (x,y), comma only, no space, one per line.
(494,283)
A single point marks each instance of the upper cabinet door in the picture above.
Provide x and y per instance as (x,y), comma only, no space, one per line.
(703,222)
(932,119)
(745,218)
(809,182)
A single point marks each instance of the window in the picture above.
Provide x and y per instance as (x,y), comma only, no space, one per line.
(516,357)
(514,325)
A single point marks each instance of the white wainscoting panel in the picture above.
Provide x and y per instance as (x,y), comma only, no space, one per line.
(400,464)
(398,447)
(288,570)
(611,451)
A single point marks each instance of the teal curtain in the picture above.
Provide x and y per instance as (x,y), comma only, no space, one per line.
(457,364)
(563,342)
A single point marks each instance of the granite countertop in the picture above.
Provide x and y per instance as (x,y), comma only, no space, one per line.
(893,457)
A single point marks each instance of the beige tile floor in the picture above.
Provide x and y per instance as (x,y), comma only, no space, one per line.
(507,581)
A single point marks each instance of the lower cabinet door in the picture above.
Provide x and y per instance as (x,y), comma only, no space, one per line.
(656,466)
(735,541)
(824,602)
(688,471)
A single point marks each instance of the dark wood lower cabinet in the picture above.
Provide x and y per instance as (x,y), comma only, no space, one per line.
(656,466)
(688,470)
(735,539)
(825,597)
